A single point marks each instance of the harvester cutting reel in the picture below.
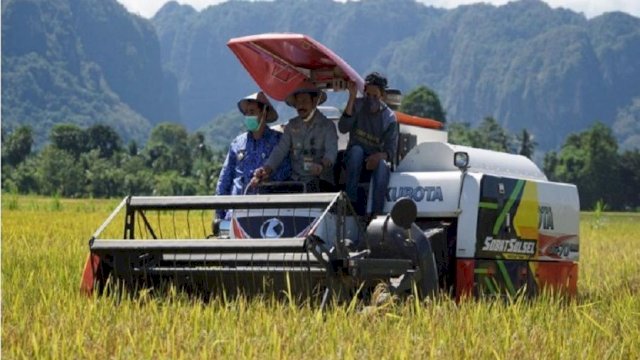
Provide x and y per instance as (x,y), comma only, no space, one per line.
(294,245)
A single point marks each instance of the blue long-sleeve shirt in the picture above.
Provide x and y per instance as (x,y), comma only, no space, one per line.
(245,155)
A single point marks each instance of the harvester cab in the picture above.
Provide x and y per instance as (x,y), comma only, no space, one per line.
(457,220)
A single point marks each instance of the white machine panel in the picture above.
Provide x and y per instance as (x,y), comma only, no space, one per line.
(468,219)
(438,156)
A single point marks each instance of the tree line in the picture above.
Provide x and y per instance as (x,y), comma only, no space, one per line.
(94,162)
(589,159)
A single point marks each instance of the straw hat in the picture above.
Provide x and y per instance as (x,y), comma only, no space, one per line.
(259,98)
(308,88)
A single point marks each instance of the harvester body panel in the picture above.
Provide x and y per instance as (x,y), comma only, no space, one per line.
(527,220)
(435,193)
(514,229)
(437,156)
(277,223)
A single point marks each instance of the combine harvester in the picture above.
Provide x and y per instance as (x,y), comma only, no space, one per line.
(459,220)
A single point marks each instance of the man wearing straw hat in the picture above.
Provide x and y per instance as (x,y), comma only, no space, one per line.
(249,150)
(311,141)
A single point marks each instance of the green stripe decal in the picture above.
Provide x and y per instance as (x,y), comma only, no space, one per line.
(507,207)
(507,278)
(488,205)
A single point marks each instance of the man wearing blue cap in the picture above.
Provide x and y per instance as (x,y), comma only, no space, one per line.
(373,140)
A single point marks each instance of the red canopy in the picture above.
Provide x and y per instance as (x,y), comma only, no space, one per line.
(279,63)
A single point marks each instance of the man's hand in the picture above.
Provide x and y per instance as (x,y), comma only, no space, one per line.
(259,175)
(371,162)
(315,169)
(353,89)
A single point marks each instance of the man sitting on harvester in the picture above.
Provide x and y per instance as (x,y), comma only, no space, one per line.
(311,141)
(373,140)
(249,150)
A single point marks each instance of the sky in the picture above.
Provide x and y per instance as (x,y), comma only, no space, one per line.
(591,8)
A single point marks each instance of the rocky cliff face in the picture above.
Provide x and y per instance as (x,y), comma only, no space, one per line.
(551,71)
(82,61)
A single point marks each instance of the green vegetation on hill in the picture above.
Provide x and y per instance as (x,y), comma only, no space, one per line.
(627,125)
(83,62)
(550,71)
(220,131)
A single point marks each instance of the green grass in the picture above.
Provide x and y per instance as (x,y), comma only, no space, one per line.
(44,246)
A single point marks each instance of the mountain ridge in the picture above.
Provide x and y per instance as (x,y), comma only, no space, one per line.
(551,71)
(82,62)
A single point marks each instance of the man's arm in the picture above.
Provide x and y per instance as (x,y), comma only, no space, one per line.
(331,146)
(279,152)
(353,91)
(345,124)
(225,180)
(284,171)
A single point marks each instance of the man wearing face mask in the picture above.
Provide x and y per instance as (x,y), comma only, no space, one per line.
(249,150)
(373,139)
(311,141)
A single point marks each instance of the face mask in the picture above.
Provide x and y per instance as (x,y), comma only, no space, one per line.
(372,104)
(252,123)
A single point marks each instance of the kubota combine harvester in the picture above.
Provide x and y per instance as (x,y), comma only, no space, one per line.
(465,221)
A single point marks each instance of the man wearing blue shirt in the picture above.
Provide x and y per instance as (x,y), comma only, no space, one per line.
(373,140)
(249,150)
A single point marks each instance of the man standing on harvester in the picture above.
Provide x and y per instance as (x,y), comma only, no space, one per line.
(311,141)
(373,140)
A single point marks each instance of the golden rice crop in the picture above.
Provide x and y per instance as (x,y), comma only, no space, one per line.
(44,245)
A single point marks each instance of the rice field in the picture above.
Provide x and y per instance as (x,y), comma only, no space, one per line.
(44,246)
